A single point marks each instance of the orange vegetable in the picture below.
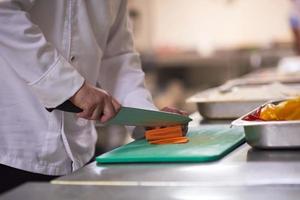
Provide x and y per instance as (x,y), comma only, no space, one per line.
(168,135)
(286,110)
(164,133)
(176,140)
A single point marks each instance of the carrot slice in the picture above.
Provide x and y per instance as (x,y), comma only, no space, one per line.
(163,130)
(167,135)
(176,140)
(163,135)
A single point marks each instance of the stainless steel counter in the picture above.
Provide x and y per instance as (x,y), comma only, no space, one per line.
(243,174)
(243,167)
(36,191)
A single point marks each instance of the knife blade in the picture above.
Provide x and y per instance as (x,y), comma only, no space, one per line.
(134,116)
(141,117)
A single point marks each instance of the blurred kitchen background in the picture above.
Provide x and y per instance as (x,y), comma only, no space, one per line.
(187,46)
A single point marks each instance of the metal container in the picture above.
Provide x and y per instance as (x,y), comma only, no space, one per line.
(226,110)
(231,103)
(270,134)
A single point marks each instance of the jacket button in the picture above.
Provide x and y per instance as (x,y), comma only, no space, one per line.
(72,59)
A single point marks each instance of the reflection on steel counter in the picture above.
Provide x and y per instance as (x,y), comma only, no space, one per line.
(236,169)
(255,155)
(37,191)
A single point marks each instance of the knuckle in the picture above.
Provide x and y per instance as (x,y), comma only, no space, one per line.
(108,97)
(104,92)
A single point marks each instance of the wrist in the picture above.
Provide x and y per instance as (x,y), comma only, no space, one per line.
(78,92)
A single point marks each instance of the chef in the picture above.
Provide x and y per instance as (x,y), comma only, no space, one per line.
(52,51)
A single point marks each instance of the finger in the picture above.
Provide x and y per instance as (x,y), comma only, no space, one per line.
(108,112)
(175,110)
(87,112)
(116,105)
(182,112)
(97,113)
(172,110)
(169,109)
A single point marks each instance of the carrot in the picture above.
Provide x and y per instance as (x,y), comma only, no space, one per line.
(158,131)
(176,140)
(167,135)
(164,133)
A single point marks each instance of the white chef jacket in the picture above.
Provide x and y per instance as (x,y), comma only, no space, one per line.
(47,49)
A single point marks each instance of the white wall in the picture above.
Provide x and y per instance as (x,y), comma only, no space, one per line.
(209,24)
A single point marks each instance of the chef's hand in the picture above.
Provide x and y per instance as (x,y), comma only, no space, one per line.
(177,111)
(174,110)
(96,103)
(180,112)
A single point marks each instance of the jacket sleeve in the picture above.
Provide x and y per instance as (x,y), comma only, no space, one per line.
(120,73)
(25,49)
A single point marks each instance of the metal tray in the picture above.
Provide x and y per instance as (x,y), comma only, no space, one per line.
(226,110)
(270,134)
(216,104)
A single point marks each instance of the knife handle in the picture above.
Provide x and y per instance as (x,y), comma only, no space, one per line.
(67,106)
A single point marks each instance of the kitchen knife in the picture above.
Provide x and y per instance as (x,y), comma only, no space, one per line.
(67,106)
(141,117)
(134,116)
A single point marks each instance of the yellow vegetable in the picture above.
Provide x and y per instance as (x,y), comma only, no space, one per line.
(286,110)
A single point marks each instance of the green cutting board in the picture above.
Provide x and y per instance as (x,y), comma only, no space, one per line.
(207,143)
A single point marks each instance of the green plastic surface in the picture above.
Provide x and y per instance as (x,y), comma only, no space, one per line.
(207,143)
(140,117)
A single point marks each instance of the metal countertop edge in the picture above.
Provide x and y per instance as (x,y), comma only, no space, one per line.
(174,183)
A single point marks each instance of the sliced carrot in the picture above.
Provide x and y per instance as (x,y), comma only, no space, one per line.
(167,135)
(163,130)
(163,135)
(176,140)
